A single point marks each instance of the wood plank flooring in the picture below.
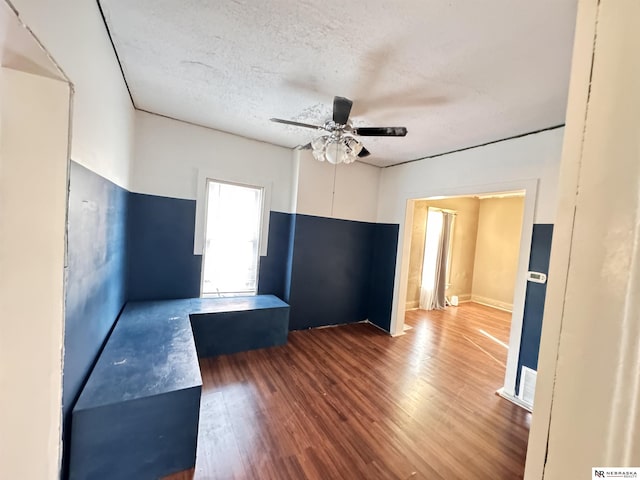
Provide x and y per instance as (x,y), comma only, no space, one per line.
(351,402)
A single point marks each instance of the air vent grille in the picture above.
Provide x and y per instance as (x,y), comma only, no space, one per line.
(527,385)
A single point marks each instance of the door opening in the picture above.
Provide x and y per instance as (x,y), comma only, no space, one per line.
(499,277)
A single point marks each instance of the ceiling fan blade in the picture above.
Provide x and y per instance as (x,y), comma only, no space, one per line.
(380,131)
(364,153)
(341,110)
(295,124)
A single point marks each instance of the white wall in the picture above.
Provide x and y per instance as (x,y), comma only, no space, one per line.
(532,157)
(33,174)
(169,154)
(587,410)
(174,159)
(102,128)
(348,192)
(530,163)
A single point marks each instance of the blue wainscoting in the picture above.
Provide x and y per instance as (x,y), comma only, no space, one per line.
(534,300)
(162,265)
(383,269)
(95,277)
(273,275)
(330,271)
(129,246)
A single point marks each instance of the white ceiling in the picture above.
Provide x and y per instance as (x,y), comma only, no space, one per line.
(456,73)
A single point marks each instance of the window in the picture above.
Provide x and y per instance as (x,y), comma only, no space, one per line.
(232,237)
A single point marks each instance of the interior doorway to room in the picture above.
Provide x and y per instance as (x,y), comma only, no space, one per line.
(465,257)
(482,248)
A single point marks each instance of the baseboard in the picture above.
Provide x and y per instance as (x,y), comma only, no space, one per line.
(490,302)
(378,327)
(412,305)
(336,325)
(462,298)
(515,400)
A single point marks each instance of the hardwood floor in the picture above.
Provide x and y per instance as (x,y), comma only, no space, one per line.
(351,402)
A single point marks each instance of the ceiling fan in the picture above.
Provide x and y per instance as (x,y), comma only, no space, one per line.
(337,142)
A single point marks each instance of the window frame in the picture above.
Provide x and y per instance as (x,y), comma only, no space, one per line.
(205,222)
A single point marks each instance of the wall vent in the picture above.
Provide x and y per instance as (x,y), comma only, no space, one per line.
(527,385)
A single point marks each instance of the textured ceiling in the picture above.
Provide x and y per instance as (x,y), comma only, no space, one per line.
(456,73)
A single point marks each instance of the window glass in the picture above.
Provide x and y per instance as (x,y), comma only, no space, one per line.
(232,236)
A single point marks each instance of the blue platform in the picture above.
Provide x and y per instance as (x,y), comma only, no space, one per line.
(137,416)
(229,325)
(149,367)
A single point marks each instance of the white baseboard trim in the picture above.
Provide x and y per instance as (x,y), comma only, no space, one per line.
(411,305)
(464,298)
(490,302)
(515,400)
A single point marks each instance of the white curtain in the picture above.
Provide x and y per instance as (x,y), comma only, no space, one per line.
(434,266)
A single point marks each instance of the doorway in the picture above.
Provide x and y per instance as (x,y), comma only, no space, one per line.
(481,252)
(474,257)
(527,188)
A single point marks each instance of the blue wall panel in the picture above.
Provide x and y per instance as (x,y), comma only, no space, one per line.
(161,261)
(383,269)
(95,278)
(330,271)
(272,276)
(534,300)
(289,265)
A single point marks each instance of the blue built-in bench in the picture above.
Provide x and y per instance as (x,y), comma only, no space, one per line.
(137,416)
(230,325)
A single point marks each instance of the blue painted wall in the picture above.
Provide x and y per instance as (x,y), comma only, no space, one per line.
(161,260)
(95,276)
(383,269)
(333,271)
(322,267)
(329,272)
(130,246)
(289,265)
(534,300)
(273,274)
(162,265)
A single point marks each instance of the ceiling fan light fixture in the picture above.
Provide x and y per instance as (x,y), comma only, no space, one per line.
(335,152)
(319,146)
(354,146)
(320,142)
(336,148)
(335,141)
